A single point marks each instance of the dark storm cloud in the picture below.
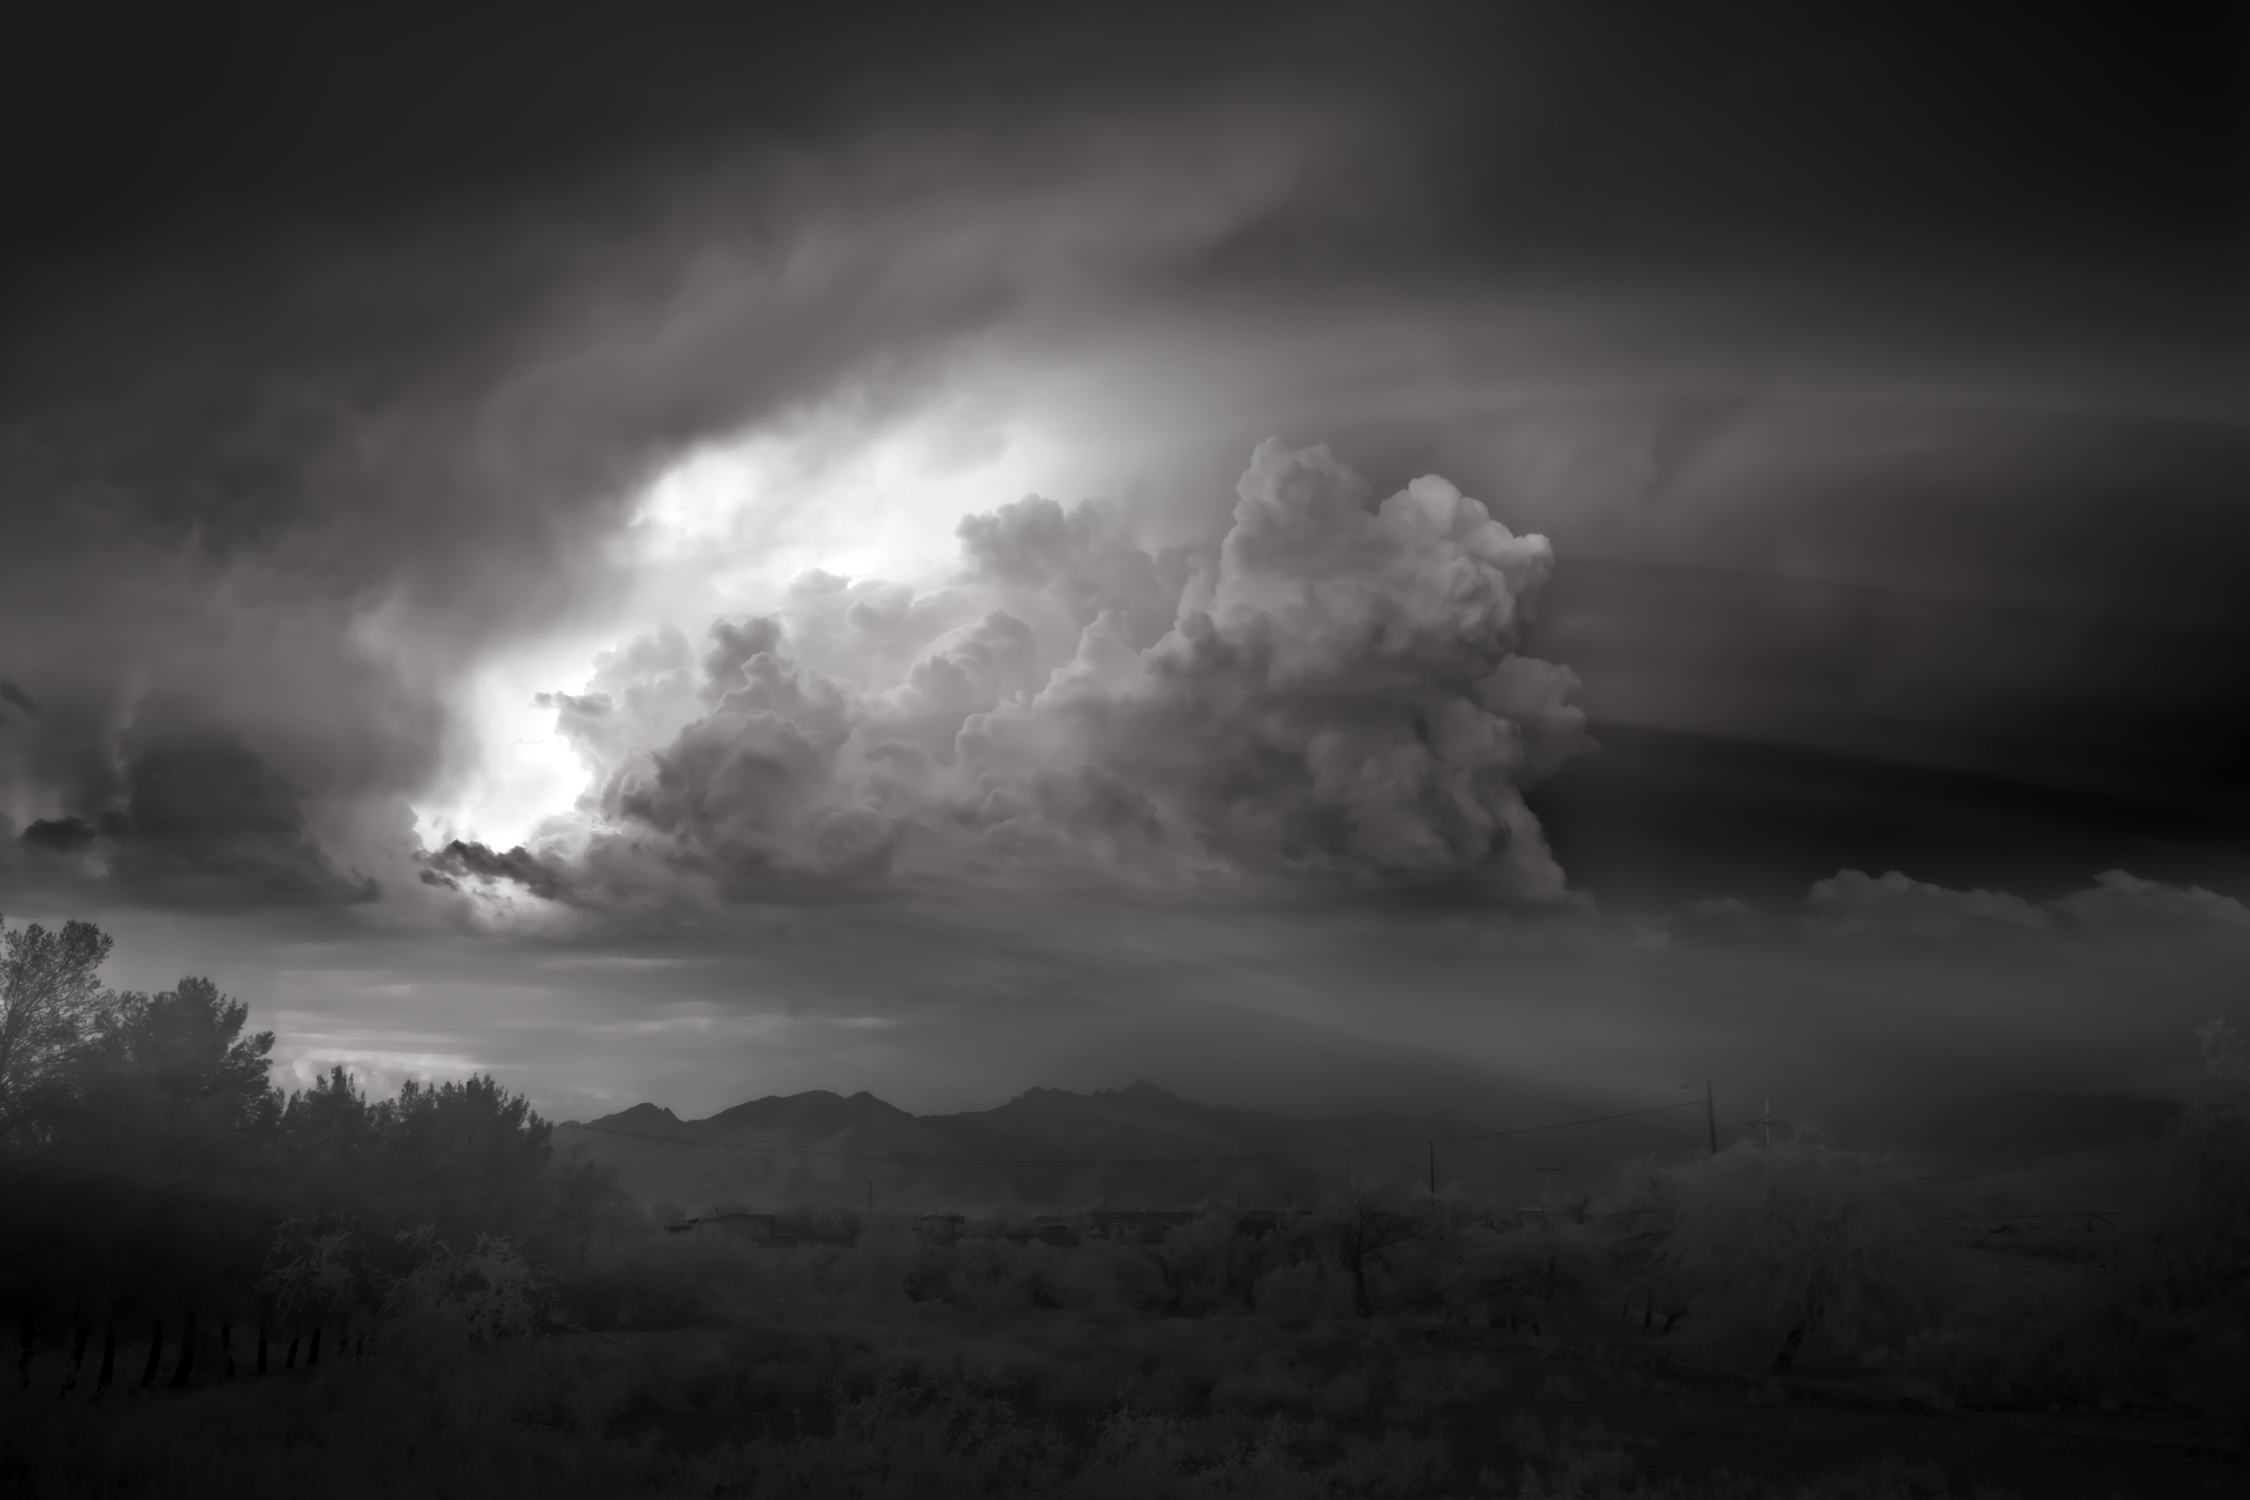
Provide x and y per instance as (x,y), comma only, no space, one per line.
(304,462)
(201,822)
(462,859)
(337,349)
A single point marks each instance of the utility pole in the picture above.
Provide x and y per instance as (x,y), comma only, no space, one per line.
(1769,1129)
(1710,1114)
(1433,1169)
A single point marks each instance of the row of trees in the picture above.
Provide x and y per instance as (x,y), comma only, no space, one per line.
(151,1173)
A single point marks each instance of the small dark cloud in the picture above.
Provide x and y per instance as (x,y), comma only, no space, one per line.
(67,836)
(206,818)
(201,822)
(462,860)
(10,693)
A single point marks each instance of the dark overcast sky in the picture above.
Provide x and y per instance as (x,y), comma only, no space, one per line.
(1877,376)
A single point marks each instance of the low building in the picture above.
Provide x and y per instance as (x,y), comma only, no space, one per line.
(1259,1222)
(1146,1226)
(781,1231)
(1046,1229)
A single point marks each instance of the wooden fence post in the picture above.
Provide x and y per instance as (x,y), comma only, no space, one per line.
(155,1352)
(77,1356)
(183,1369)
(109,1358)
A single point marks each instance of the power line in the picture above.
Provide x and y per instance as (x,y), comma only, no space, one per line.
(1125,1161)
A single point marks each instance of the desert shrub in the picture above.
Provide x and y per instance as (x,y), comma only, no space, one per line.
(2081,1354)
(993,1276)
(510,1423)
(2192,1252)
(1343,1399)
(657,1280)
(1299,1291)
(2164,1325)
(451,1297)
(874,1274)
(1120,1280)
(1521,1276)
(1206,1264)
(1768,1251)
(1363,1235)
(315,1270)
(2188,1269)
(2171,1328)
(1271,1384)
(996,1276)
(962,1439)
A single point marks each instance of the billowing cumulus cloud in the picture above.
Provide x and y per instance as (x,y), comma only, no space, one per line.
(2119,899)
(1852,903)
(318,502)
(1335,694)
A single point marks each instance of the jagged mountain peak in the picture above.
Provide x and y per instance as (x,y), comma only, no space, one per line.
(817,1108)
(1138,1092)
(642,1116)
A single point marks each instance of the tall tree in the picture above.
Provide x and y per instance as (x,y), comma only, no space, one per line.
(168,1118)
(466,1155)
(50,992)
(177,1064)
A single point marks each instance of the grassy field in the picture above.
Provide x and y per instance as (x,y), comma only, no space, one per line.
(700,1365)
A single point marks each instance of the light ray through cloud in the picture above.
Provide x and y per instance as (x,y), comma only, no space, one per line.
(724,530)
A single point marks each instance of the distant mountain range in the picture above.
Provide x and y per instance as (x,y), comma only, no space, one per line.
(1142,1147)
(1047,1148)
